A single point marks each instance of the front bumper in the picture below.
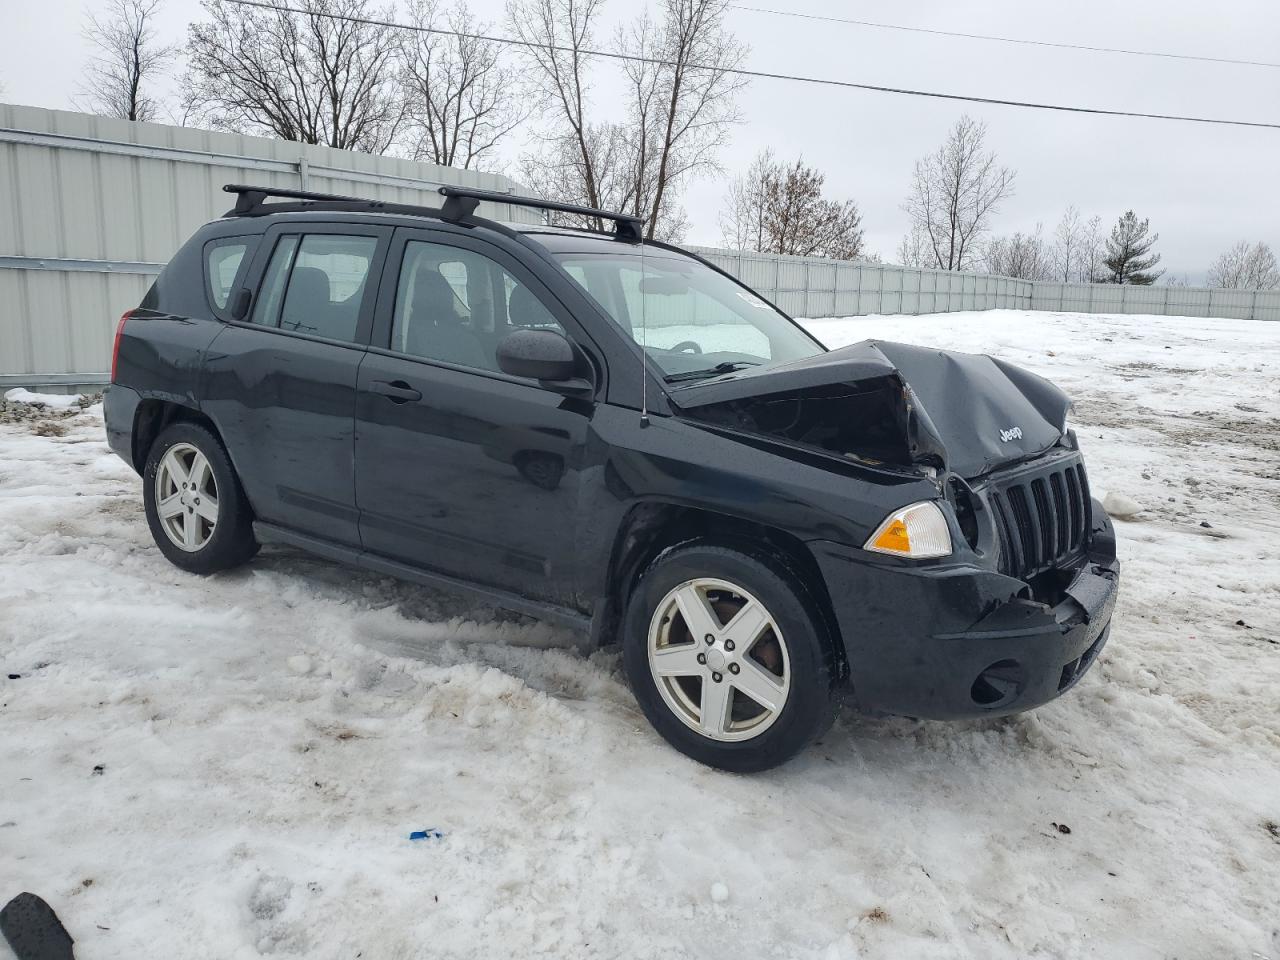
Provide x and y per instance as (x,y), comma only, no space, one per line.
(951,641)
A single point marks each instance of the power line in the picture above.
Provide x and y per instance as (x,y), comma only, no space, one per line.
(758,74)
(984,36)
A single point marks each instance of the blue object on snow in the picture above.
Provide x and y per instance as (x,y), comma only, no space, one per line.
(431,833)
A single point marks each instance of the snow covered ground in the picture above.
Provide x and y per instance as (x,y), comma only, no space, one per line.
(230,767)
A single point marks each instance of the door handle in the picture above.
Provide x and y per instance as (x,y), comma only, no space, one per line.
(397,391)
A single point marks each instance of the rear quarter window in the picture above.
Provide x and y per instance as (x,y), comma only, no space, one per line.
(224,261)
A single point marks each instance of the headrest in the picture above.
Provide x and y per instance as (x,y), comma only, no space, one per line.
(433,298)
(526,310)
(309,285)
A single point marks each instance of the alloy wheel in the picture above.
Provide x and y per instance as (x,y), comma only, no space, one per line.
(719,659)
(186,497)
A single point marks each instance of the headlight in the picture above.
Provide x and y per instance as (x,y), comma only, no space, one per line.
(917,531)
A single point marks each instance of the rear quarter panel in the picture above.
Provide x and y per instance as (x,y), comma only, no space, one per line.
(163,344)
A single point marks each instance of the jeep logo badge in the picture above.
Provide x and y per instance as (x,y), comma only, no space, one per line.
(1013,433)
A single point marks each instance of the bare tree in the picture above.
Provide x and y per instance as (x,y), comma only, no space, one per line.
(680,104)
(1021,256)
(559,34)
(121,78)
(778,208)
(1068,246)
(310,76)
(742,220)
(915,250)
(695,95)
(461,98)
(1091,250)
(1246,267)
(954,192)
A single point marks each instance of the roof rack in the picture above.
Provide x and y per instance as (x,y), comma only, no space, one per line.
(251,202)
(462,202)
(459,203)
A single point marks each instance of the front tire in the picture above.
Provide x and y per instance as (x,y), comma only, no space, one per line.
(196,508)
(728,658)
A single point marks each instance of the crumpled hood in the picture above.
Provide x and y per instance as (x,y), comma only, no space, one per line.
(971,412)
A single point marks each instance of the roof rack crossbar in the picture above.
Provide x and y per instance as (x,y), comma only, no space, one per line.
(459,204)
(250,202)
(248,198)
(626,226)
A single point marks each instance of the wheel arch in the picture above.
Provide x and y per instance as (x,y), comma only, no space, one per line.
(153,415)
(653,527)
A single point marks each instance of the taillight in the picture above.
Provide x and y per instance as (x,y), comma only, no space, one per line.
(115,347)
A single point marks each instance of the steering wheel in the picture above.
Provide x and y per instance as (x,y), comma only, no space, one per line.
(687,346)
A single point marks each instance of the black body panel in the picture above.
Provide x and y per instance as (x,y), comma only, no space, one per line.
(478,479)
(285,407)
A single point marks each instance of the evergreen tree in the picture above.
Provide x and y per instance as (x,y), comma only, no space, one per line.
(1128,258)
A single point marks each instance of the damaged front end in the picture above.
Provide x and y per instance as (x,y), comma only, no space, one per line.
(873,421)
(890,404)
(950,640)
(1019,610)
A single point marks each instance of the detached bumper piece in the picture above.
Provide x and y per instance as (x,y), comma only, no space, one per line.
(947,642)
(33,931)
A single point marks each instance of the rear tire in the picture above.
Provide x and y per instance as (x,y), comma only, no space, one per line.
(728,658)
(196,508)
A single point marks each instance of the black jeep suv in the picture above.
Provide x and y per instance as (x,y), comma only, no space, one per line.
(616,436)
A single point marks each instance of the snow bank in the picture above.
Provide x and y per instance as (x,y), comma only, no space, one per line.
(50,401)
(269,738)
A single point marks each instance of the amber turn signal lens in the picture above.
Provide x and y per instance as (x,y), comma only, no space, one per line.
(894,538)
(919,531)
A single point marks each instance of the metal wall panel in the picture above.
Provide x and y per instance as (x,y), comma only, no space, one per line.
(803,286)
(91,207)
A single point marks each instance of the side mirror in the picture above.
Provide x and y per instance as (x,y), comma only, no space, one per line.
(541,355)
(240,303)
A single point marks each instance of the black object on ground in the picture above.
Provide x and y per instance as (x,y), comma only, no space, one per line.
(34,931)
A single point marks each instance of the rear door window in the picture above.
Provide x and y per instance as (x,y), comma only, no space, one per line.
(266,310)
(315,284)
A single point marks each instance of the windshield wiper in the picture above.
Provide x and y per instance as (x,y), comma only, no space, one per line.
(727,367)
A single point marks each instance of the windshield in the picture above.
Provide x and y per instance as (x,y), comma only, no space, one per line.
(694,322)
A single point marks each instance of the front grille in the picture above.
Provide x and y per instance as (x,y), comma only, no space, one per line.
(1042,518)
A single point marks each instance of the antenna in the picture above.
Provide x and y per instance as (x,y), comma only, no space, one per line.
(644,345)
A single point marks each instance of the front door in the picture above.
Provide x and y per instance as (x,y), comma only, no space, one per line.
(281,385)
(461,468)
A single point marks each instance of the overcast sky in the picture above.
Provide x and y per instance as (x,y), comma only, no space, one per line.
(1203,187)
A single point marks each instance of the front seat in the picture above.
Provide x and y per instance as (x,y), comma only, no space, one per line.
(307,305)
(435,327)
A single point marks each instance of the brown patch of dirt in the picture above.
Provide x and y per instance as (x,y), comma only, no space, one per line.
(49,428)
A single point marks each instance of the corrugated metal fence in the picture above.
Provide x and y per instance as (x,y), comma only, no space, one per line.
(91,208)
(817,287)
(1165,301)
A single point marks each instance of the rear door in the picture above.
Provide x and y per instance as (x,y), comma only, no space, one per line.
(281,384)
(461,468)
